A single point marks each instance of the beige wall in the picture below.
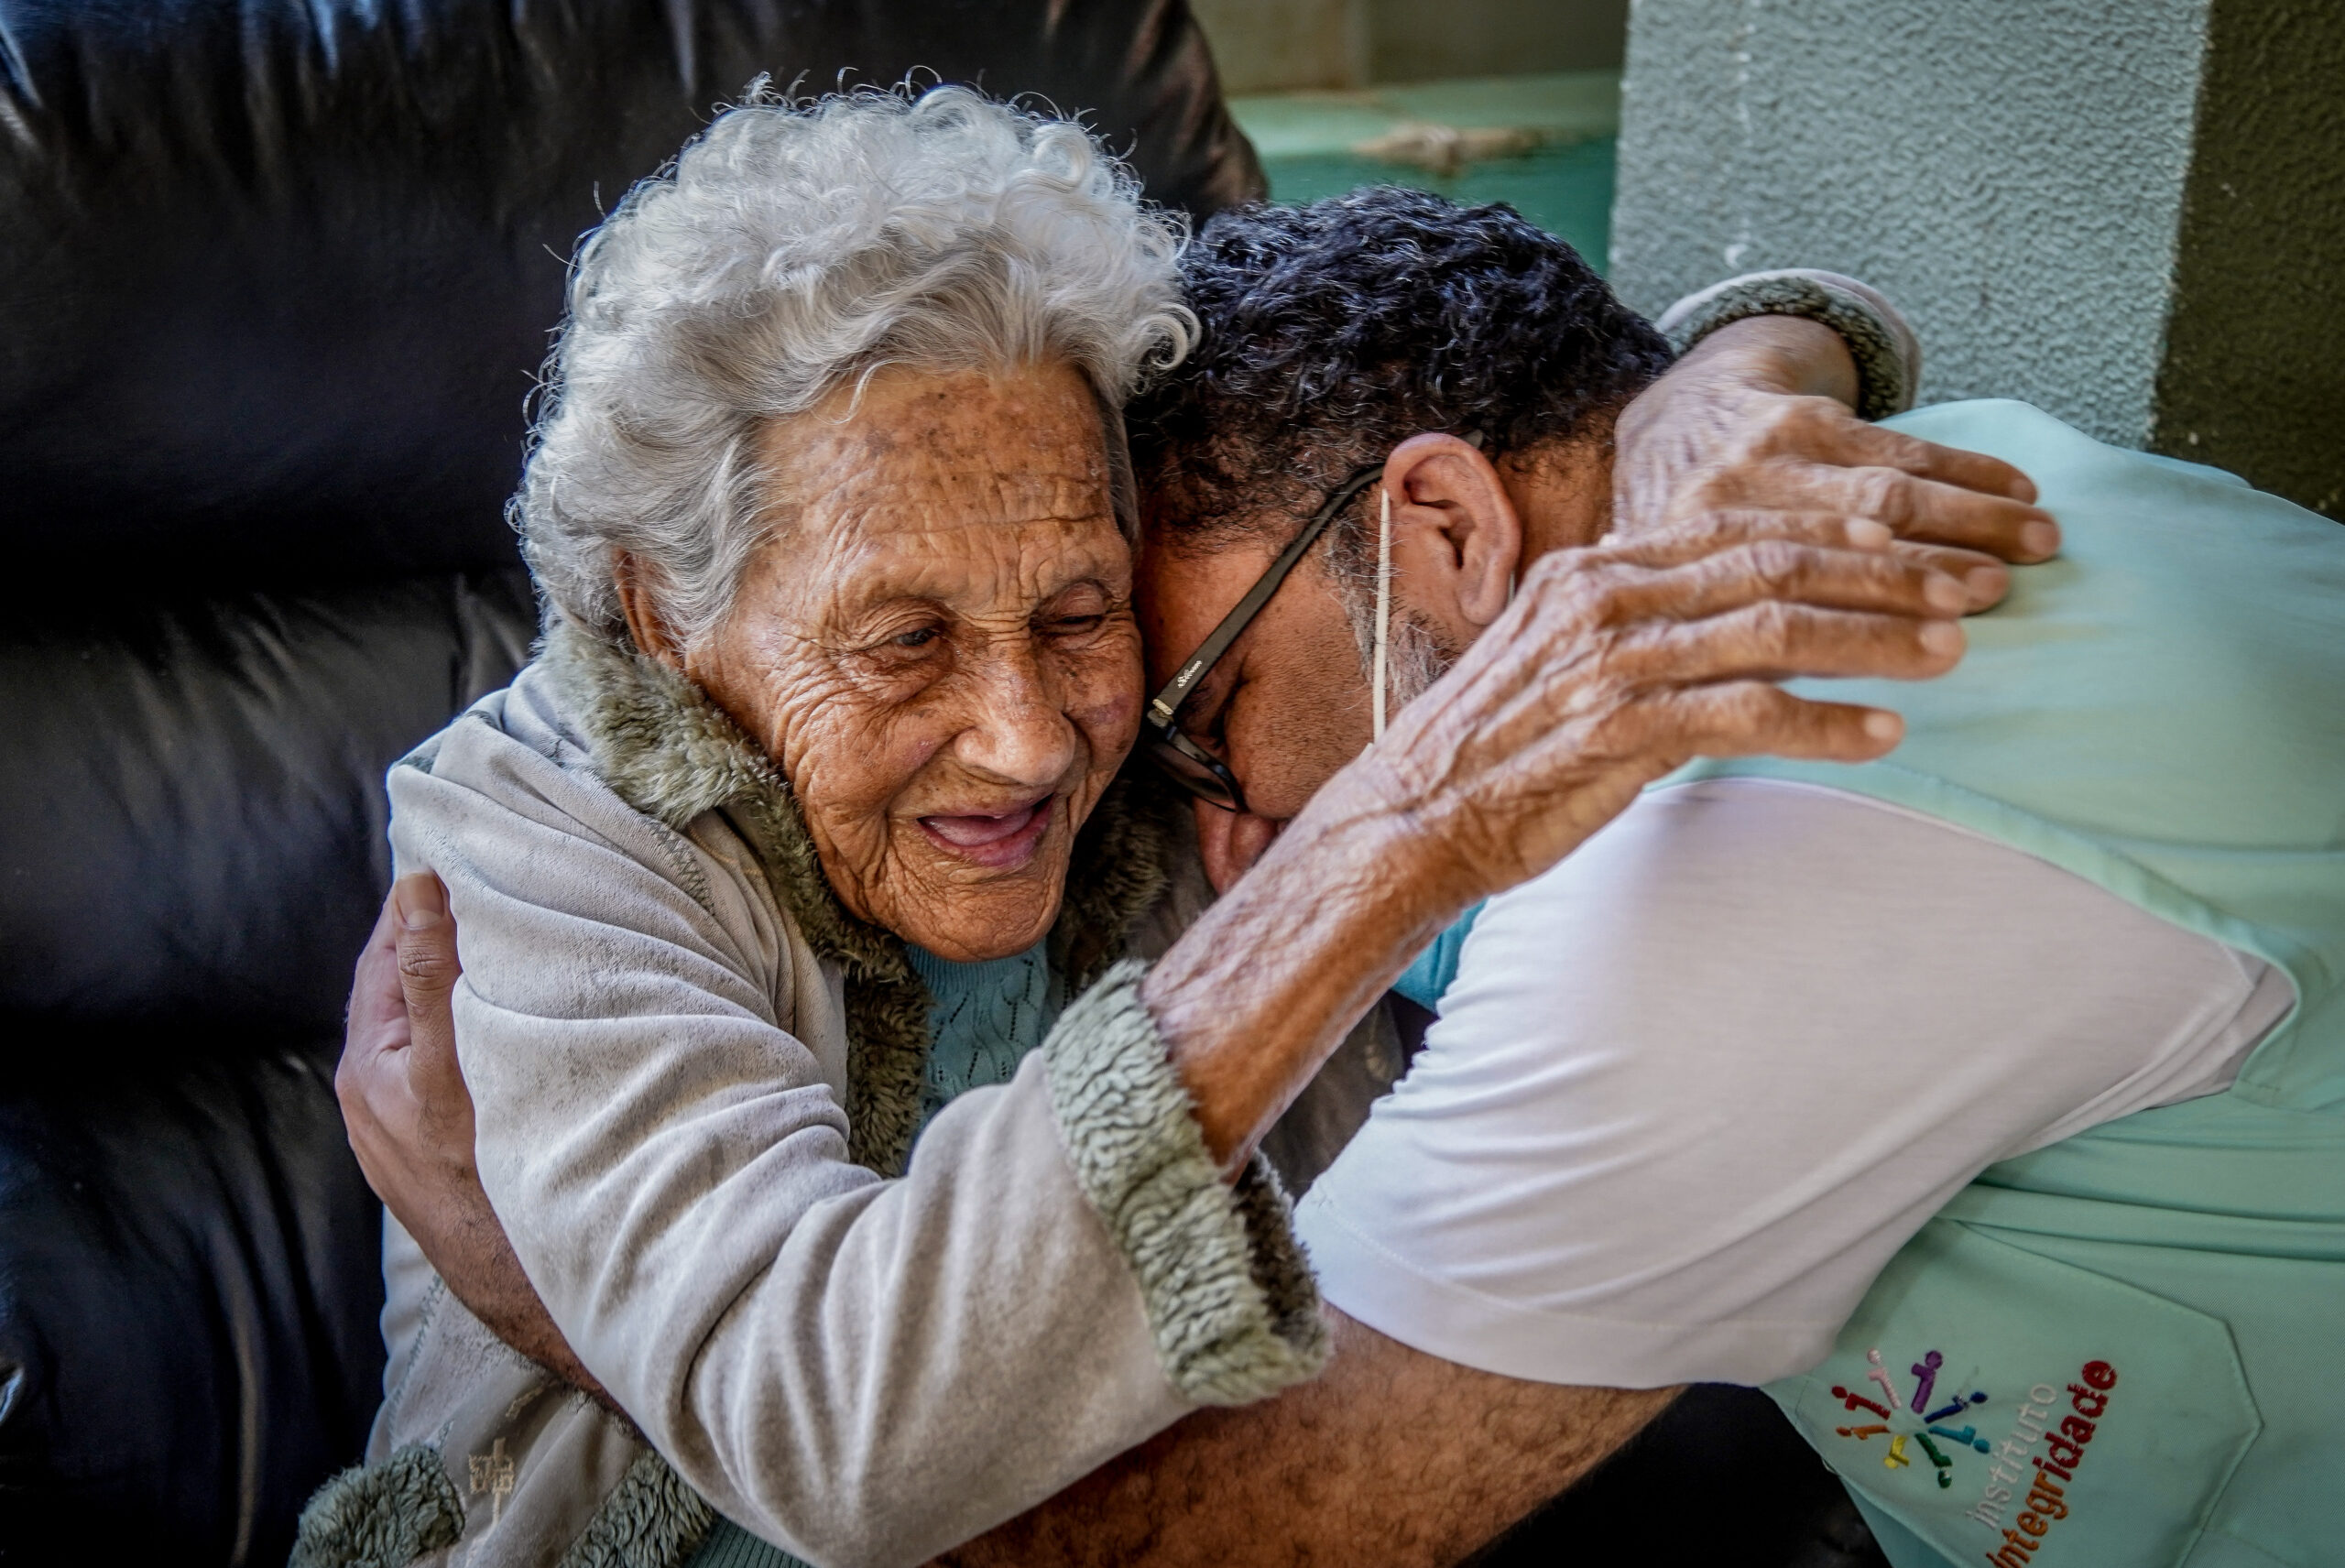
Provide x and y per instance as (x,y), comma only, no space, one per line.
(1268,46)
(1264,46)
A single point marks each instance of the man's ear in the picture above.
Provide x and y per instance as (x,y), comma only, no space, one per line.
(640,605)
(1456,539)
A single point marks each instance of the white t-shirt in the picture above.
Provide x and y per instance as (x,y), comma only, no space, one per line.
(1692,1088)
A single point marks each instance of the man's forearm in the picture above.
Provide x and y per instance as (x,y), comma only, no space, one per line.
(1393,1457)
(495,1290)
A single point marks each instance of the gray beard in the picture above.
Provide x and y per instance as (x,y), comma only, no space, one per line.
(1415,655)
(1414,659)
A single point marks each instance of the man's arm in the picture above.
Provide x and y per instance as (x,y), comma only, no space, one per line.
(410,1119)
(1792,1024)
(1393,1457)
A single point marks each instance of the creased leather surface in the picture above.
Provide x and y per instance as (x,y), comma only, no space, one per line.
(275,279)
(193,832)
(276,275)
(186,1328)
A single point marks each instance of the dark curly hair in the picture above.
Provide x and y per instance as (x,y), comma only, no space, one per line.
(1336,330)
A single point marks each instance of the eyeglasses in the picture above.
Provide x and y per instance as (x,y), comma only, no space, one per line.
(1188,763)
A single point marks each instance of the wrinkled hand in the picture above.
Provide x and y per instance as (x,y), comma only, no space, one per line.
(409,1118)
(1738,441)
(1616,664)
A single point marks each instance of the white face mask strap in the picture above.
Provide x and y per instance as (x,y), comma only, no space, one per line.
(1383,601)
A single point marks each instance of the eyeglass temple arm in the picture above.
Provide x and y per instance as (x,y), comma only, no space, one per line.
(1167,702)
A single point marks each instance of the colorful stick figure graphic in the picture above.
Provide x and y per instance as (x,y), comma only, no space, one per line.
(1909,1419)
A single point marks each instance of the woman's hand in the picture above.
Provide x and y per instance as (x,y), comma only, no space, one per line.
(1752,433)
(1618,664)
(1614,666)
(409,1118)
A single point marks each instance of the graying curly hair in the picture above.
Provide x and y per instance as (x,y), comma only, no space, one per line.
(793,248)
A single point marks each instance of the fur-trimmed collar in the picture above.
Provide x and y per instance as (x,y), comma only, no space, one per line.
(667,750)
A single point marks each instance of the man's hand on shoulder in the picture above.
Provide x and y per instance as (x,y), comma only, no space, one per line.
(409,1118)
(1754,433)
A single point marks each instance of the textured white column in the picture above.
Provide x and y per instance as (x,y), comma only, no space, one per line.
(2129,213)
(2012,172)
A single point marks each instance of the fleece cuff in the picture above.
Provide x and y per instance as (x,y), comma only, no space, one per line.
(1888,354)
(381,1516)
(1229,1296)
(651,1519)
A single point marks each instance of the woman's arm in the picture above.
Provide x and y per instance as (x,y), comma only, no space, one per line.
(1614,667)
(1754,434)
(1759,417)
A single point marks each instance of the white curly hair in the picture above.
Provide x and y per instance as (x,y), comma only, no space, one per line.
(793,247)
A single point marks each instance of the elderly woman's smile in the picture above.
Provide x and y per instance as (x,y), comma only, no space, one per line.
(937,642)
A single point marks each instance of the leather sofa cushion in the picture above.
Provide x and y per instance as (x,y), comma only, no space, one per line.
(189,1274)
(276,275)
(191,809)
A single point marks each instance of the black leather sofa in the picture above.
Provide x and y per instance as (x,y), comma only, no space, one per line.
(274,277)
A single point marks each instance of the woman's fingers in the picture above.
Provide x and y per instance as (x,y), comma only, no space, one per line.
(1911,507)
(1773,641)
(1602,625)
(1833,464)
(1687,451)
(1712,583)
(1873,446)
(1597,657)
(1985,579)
(1752,718)
(1723,527)
(1616,664)
(1824,431)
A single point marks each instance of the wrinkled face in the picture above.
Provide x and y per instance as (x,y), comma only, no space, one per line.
(939,647)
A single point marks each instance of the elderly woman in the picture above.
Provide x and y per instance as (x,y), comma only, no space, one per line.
(807,818)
